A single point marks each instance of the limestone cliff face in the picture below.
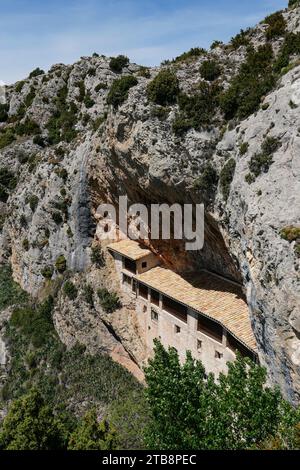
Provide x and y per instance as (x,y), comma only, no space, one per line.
(133,151)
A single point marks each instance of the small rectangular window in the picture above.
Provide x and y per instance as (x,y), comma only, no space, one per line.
(218,355)
(199,344)
(144,264)
(154,315)
(177,329)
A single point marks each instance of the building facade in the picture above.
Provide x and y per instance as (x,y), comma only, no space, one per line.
(202,313)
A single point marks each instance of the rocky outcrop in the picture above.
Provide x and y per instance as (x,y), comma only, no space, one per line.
(133,151)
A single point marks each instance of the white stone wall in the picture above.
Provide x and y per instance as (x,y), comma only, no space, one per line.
(165,330)
(151,261)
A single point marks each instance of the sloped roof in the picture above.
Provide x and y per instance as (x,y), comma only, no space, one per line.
(129,248)
(206,293)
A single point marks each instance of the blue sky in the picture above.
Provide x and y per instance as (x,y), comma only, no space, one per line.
(43,32)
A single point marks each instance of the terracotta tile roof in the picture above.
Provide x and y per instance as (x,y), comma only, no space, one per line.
(209,294)
(129,248)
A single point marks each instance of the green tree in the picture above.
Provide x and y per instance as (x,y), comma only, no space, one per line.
(210,70)
(31,425)
(117,64)
(164,88)
(129,415)
(189,410)
(118,92)
(92,434)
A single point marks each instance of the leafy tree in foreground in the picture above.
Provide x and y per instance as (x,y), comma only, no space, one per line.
(189,410)
(92,434)
(31,425)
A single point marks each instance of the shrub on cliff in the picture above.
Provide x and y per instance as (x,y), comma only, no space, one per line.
(210,70)
(70,290)
(208,180)
(117,64)
(226,177)
(277,25)
(7,137)
(61,264)
(253,81)
(196,111)
(119,90)
(290,47)
(109,300)
(164,88)
(241,39)
(261,162)
(3,112)
(36,72)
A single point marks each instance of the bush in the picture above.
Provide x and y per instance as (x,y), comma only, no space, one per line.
(144,72)
(198,110)
(253,81)
(61,126)
(261,162)
(226,177)
(7,178)
(117,64)
(47,272)
(160,112)
(4,108)
(207,181)
(119,90)
(88,294)
(194,52)
(244,148)
(61,264)
(92,434)
(7,137)
(241,39)
(109,300)
(27,102)
(277,25)
(70,290)
(36,323)
(57,217)
(4,195)
(39,140)
(210,70)
(31,425)
(216,44)
(164,88)
(129,416)
(100,86)
(36,72)
(290,233)
(294,3)
(88,101)
(28,127)
(290,47)
(19,86)
(33,202)
(10,291)
(97,256)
